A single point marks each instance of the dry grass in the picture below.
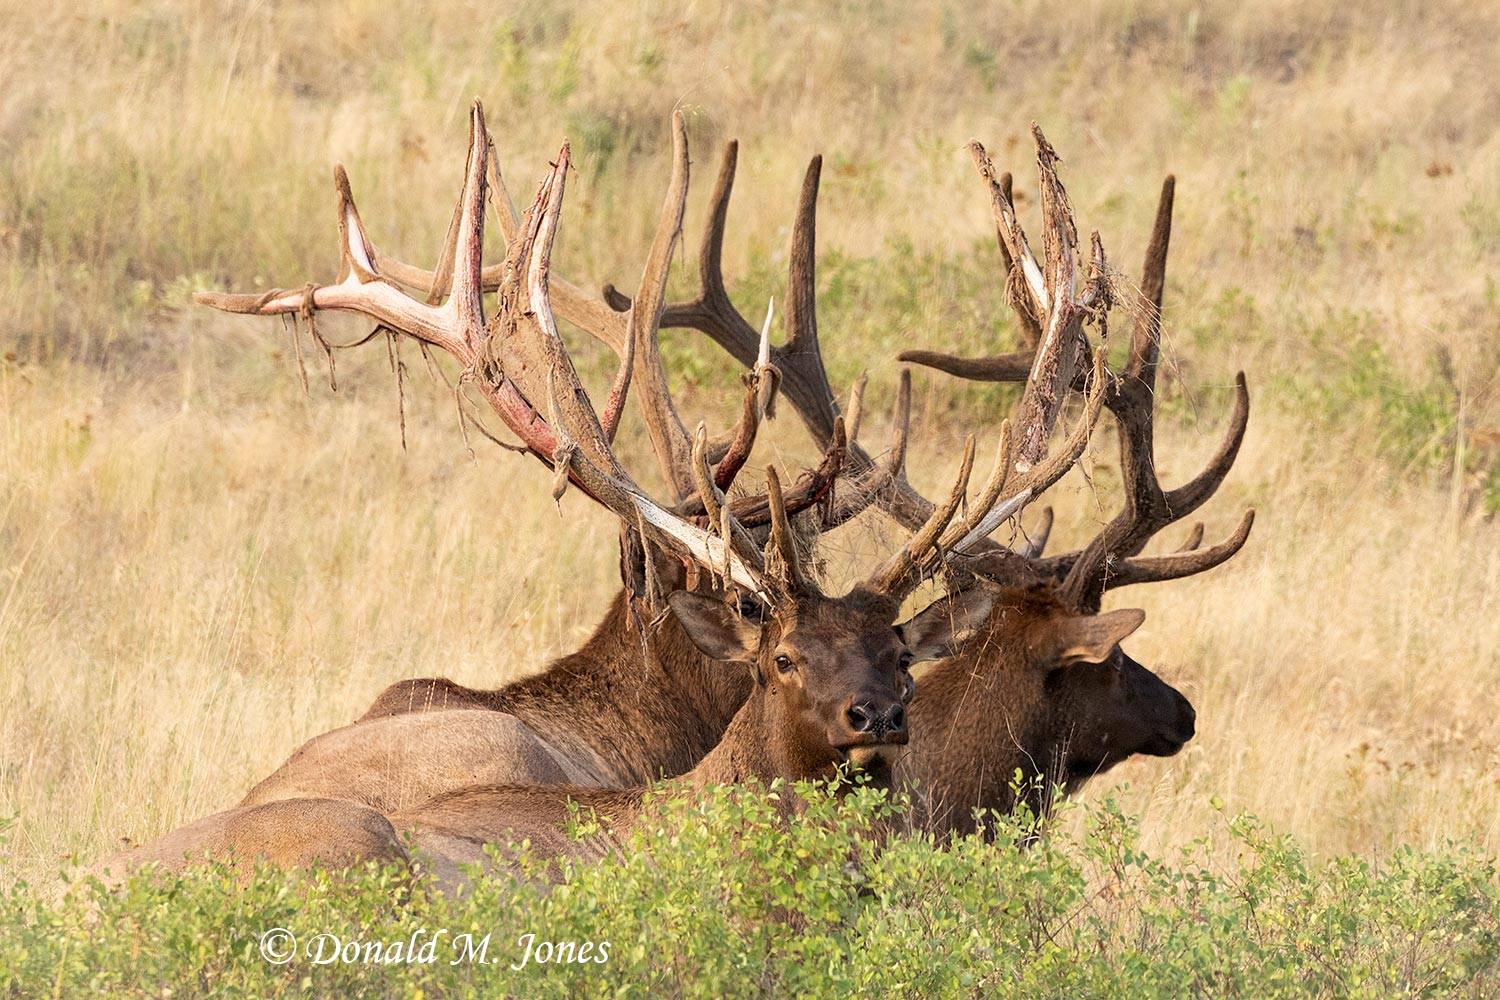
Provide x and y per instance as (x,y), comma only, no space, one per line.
(202,567)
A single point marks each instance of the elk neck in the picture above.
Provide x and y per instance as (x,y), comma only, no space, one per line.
(643,718)
(977,718)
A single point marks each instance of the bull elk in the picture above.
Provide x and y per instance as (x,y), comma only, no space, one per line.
(830,674)
(628,707)
(1043,687)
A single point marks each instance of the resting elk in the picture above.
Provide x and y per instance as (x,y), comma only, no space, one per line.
(830,675)
(1043,688)
(630,705)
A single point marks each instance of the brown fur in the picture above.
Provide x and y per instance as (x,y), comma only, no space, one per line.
(297,833)
(603,716)
(1008,702)
(793,725)
(813,664)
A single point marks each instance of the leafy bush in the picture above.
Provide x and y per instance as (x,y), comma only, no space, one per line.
(720,897)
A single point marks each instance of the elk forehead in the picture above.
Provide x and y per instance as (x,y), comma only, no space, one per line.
(858,622)
(839,618)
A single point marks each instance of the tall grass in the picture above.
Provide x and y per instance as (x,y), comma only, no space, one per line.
(202,566)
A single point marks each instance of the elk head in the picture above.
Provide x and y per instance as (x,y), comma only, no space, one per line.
(1112,708)
(1100,707)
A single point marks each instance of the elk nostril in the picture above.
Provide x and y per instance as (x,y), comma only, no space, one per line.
(860,718)
(895,719)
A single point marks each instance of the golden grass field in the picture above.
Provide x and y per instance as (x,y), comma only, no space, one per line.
(200,566)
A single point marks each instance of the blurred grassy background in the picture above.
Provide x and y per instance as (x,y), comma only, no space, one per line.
(202,566)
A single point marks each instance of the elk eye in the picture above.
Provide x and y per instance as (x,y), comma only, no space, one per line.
(906,659)
(784,663)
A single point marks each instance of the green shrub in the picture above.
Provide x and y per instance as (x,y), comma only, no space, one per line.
(720,897)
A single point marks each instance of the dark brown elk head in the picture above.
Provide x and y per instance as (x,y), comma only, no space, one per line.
(1043,690)
(832,672)
(1092,703)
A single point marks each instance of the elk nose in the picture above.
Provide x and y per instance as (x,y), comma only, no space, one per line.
(882,723)
(1186,717)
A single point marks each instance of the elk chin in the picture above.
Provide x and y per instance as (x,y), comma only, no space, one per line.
(1164,746)
(872,760)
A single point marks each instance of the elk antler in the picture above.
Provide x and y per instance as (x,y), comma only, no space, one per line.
(1113,558)
(806,385)
(627,326)
(501,355)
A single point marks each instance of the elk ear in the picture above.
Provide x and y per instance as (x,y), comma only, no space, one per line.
(947,623)
(715,629)
(1086,638)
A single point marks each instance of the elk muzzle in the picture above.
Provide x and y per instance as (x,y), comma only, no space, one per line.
(1179,731)
(1173,719)
(873,721)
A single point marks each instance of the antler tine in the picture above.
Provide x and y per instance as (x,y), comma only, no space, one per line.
(983,516)
(1186,562)
(1013,367)
(468,293)
(714,504)
(801,358)
(1025,287)
(761,384)
(1145,341)
(1037,543)
(711,253)
(782,559)
(900,426)
(614,407)
(856,404)
(900,574)
(1192,494)
(354,245)
(1194,538)
(669,436)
